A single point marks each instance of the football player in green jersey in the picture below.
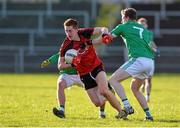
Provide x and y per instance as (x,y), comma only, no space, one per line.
(141,59)
(146,87)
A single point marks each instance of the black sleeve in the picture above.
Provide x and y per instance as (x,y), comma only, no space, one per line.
(86,32)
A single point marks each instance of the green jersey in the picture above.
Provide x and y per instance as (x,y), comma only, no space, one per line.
(136,38)
(54,59)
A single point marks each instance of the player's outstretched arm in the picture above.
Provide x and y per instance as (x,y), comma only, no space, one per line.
(107,38)
(51,60)
(104,37)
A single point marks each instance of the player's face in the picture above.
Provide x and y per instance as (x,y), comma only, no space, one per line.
(144,24)
(70,32)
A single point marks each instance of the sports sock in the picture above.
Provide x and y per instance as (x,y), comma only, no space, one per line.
(147,112)
(126,103)
(101,111)
(147,97)
(62,107)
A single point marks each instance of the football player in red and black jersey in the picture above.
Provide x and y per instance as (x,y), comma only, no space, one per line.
(88,65)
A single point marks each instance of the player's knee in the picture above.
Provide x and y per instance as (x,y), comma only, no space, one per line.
(104,92)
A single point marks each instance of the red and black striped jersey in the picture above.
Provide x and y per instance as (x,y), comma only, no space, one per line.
(89,58)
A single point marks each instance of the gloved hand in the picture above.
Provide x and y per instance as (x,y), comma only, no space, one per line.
(158,52)
(45,63)
(106,39)
(76,60)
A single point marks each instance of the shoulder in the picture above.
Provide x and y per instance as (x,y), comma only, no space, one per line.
(86,32)
(66,42)
(120,27)
(118,30)
(64,46)
(82,30)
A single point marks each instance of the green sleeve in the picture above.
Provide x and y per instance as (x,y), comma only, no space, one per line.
(54,58)
(117,31)
(151,36)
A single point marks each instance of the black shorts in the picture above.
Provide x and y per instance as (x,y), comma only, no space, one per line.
(89,79)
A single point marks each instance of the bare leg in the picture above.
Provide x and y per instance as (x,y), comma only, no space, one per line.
(118,76)
(95,97)
(98,100)
(148,88)
(61,85)
(115,80)
(135,85)
(143,87)
(103,88)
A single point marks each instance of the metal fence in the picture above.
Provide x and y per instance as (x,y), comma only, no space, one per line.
(18,54)
(168,61)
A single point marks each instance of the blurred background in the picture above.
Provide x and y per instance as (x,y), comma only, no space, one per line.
(32,30)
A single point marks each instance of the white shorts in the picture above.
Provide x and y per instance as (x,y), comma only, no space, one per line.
(140,67)
(71,80)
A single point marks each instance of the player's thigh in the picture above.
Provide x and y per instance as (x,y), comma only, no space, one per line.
(119,75)
(101,81)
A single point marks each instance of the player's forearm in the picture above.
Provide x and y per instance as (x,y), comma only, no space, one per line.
(97,40)
(100,30)
(54,58)
(64,66)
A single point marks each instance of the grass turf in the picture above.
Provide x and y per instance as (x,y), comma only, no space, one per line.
(27,100)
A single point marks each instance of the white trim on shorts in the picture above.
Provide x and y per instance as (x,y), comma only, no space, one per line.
(141,67)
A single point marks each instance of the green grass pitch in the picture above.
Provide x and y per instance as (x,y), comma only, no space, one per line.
(27,100)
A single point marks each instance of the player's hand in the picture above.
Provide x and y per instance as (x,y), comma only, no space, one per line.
(76,60)
(45,63)
(106,39)
(158,52)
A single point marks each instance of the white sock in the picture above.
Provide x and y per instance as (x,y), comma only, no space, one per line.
(62,108)
(126,103)
(101,112)
(147,98)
